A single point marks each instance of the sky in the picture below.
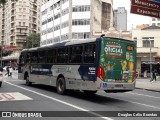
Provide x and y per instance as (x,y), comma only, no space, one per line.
(132,19)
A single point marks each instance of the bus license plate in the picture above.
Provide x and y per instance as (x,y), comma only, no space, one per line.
(119,85)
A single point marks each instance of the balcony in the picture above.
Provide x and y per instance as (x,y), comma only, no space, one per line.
(12,34)
(21,40)
(12,14)
(24,27)
(12,27)
(20,33)
(147,50)
(12,21)
(34,15)
(12,7)
(34,10)
(11,41)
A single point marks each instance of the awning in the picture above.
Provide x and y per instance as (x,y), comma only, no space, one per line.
(13,56)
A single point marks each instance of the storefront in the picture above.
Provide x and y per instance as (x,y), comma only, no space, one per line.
(10,60)
(10,55)
(144,65)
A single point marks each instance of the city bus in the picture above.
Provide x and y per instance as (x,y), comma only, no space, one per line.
(90,65)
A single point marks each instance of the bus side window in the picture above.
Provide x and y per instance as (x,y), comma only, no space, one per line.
(42,57)
(76,54)
(62,56)
(34,56)
(89,53)
(27,60)
(21,59)
(51,56)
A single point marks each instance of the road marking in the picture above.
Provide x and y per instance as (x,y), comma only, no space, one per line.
(60,101)
(142,95)
(12,96)
(134,102)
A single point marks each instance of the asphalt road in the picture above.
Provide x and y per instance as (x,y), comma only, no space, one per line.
(44,98)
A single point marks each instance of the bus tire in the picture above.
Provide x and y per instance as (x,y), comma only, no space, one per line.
(28,83)
(61,86)
(88,92)
(0,84)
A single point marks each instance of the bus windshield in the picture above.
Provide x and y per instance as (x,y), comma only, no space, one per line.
(118,60)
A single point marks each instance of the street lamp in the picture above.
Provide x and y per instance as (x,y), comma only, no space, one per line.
(150,59)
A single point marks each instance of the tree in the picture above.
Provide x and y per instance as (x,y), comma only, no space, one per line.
(33,40)
(2,2)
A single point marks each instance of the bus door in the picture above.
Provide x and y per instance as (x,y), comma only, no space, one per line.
(117,61)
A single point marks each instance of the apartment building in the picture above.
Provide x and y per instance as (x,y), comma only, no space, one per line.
(120,19)
(148,49)
(64,20)
(18,19)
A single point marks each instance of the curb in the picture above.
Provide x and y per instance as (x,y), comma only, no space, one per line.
(148,89)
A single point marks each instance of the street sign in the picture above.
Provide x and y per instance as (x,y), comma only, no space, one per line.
(146,4)
(156,1)
(145,11)
(146,7)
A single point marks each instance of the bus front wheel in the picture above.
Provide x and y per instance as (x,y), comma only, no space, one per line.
(61,86)
(28,83)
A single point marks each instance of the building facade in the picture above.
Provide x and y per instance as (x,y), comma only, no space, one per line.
(17,20)
(120,19)
(148,49)
(64,20)
(155,22)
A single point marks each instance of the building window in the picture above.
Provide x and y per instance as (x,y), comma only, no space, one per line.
(57,27)
(81,35)
(153,19)
(64,12)
(65,24)
(135,38)
(146,43)
(63,1)
(81,8)
(64,37)
(81,22)
(153,24)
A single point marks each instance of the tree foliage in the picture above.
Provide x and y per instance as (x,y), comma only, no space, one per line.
(2,2)
(33,40)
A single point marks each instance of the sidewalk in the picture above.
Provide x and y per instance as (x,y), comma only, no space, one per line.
(144,83)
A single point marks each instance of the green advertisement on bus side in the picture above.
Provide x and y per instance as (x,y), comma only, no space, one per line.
(118,60)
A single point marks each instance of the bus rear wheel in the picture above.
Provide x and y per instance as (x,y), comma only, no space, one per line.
(0,84)
(28,83)
(61,86)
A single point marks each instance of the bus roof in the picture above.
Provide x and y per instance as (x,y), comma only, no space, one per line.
(73,42)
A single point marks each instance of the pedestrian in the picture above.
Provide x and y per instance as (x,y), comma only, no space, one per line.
(10,71)
(153,75)
(7,71)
